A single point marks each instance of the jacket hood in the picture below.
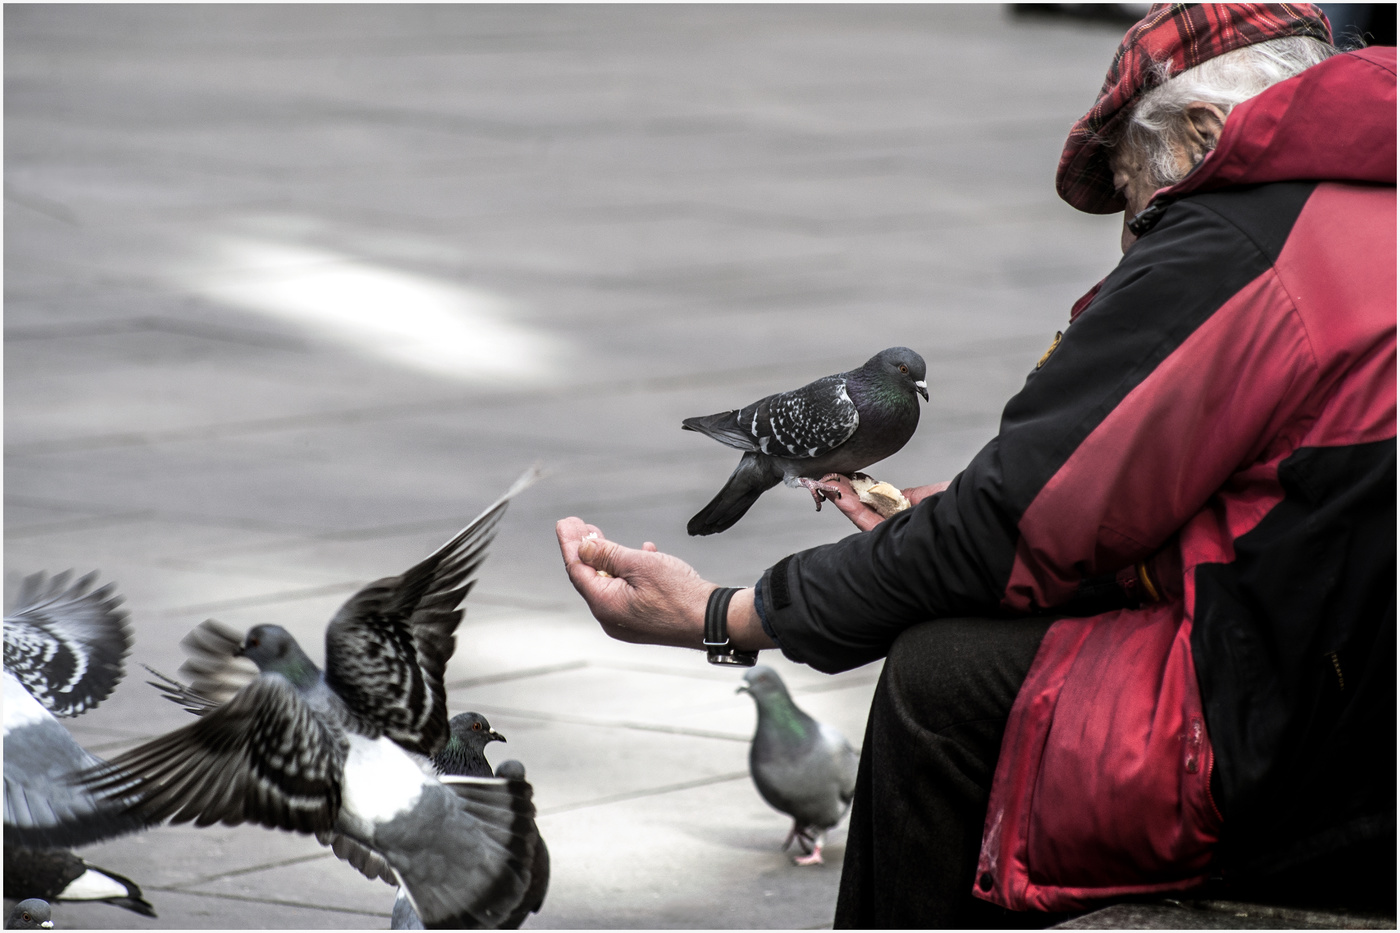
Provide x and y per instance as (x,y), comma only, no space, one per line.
(1333,122)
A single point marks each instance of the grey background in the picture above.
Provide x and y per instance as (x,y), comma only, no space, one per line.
(645,213)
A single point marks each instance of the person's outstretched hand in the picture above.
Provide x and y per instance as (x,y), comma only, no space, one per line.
(646,596)
(861,515)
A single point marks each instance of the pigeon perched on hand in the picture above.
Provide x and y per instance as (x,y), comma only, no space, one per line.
(837,424)
(327,752)
(64,650)
(802,767)
(60,875)
(31,914)
(465,755)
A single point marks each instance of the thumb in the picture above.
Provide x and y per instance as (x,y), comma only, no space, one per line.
(600,554)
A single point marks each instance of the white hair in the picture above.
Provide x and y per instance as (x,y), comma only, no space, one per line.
(1156,129)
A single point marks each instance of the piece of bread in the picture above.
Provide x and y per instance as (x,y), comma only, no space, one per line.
(882,497)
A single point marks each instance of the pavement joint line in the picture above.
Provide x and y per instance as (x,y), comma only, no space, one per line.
(244,602)
(612,723)
(251,869)
(157,323)
(649,792)
(520,674)
(78,524)
(272,900)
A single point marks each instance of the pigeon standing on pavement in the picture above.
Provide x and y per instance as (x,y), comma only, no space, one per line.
(327,752)
(837,424)
(465,755)
(30,914)
(802,767)
(60,875)
(64,649)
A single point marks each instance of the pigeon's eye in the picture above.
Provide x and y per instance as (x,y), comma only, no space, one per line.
(476,727)
(252,643)
(904,369)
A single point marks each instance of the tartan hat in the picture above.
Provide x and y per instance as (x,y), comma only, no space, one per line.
(1184,34)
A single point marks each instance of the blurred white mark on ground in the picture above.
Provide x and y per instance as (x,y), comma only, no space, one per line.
(438,327)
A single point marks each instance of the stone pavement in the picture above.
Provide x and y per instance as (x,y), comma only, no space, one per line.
(292,291)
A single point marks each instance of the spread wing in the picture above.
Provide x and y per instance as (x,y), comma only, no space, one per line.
(264,757)
(798,425)
(195,699)
(64,644)
(388,646)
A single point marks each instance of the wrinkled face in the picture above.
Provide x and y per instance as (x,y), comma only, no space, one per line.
(1131,179)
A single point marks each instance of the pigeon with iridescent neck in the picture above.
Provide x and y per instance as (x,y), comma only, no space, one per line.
(837,424)
(330,752)
(802,767)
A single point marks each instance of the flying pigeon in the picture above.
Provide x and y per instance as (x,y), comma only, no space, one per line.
(328,752)
(59,875)
(465,755)
(802,767)
(837,424)
(31,914)
(64,648)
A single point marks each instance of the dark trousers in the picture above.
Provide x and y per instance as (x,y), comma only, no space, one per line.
(926,770)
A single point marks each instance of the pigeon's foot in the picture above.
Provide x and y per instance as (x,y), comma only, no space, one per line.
(821,490)
(804,838)
(814,859)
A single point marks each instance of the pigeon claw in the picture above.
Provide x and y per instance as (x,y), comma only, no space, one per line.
(814,859)
(820,491)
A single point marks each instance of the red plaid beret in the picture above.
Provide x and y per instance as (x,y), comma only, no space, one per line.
(1184,34)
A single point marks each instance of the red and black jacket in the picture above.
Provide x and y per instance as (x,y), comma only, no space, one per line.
(1217,426)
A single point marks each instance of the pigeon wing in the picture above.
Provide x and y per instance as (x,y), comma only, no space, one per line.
(388,646)
(214,668)
(264,757)
(65,644)
(805,423)
(487,826)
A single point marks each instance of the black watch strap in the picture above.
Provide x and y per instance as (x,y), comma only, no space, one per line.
(716,638)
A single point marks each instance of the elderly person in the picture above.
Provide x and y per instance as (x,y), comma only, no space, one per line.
(1146,639)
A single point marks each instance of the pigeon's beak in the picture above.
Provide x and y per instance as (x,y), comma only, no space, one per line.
(46,925)
(922,386)
(496,736)
(239,652)
(742,688)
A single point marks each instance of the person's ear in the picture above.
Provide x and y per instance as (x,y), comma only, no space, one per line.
(1204,124)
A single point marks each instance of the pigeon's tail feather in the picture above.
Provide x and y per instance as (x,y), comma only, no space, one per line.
(485,837)
(61,875)
(727,427)
(750,479)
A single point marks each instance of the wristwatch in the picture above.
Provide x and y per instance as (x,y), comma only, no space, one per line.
(717,648)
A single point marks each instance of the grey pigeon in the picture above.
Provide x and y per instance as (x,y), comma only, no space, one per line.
(327,752)
(64,650)
(31,914)
(60,875)
(802,767)
(465,755)
(837,424)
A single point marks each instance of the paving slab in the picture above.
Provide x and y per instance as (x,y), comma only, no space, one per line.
(292,291)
